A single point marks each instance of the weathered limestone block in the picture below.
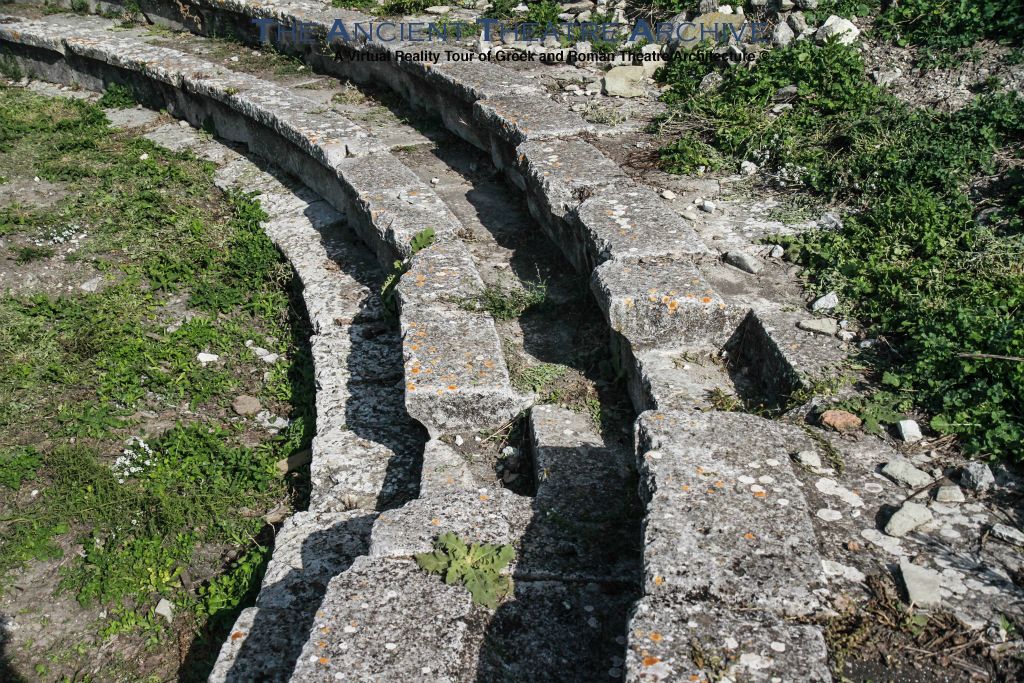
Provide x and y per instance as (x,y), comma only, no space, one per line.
(392,205)
(662,302)
(726,519)
(564,173)
(455,372)
(443,275)
(362,352)
(678,379)
(694,642)
(784,357)
(444,470)
(309,550)
(635,222)
(367,468)
(253,650)
(518,118)
(496,516)
(388,620)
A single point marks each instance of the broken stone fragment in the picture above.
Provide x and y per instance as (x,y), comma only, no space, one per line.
(825,303)
(922,584)
(949,494)
(908,518)
(1009,534)
(744,261)
(977,476)
(902,472)
(909,431)
(245,405)
(840,420)
(624,81)
(825,326)
(836,27)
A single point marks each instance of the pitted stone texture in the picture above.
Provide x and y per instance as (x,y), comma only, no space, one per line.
(394,205)
(661,302)
(455,371)
(470,81)
(676,642)
(587,518)
(309,550)
(494,516)
(444,470)
(283,199)
(443,274)
(563,173)
(362,352)
(518,118)
(635,222)
(365,468)
(252,651)
(388,620)
(726,518)
(679,379)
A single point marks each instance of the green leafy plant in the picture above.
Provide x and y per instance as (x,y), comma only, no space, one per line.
(420,241)
(117,97)
(913,260)
(18,465)
(475,566)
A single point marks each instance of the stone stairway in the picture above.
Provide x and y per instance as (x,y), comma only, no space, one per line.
(701,576)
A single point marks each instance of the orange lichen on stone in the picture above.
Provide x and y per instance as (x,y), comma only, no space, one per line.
(749,536)
(759,494)
(237,634)
(658,580)
(655,636)
(650,661)
(435,521)
(325,661)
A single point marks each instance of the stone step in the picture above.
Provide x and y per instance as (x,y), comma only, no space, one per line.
(692,642)
(663,303)
(455,372)
(677,379)
(309,550)
(725,515)
(586,522)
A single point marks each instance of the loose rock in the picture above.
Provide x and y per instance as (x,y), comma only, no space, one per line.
(165,609)
(977,476)
(624,81)
(909,431)
(246,405)
(908,518)
(744,261)
(205,358)
(1009,534)
(922,584)
(825,326)
(825,303)
(840,420)
(843,29)
(949,494)
(902,472)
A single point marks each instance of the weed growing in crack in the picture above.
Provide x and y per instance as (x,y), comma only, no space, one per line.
(420,241)
(508,304)
(476,566)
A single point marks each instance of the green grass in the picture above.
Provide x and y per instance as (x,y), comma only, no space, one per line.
(117,97)
(945,30)
(31,253)
(912,262)
(78,370)
(536,378)
(508,304)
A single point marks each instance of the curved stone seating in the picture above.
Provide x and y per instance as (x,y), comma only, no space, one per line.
(650,276)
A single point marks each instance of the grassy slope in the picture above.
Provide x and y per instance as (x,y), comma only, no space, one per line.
(915,262)
(82,372)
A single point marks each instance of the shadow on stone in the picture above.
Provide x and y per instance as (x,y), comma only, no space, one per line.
(267,639)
